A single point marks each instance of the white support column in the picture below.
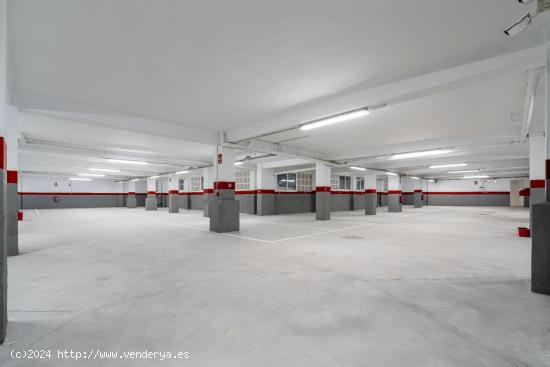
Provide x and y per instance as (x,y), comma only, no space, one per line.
(540,212)
(395,198)
(208,190)
(418,196)
(536,170)
(224,208)
(265,190)
(12,195)
(173,194)
(322,191)
(131,201)
(151,200)
(3,207)
(371,196)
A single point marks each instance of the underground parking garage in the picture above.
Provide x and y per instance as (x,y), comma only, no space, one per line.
(268,183)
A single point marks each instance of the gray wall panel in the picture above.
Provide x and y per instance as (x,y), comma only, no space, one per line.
(408,199)
(294,203)
(340,202)
(469,200)
(71,201)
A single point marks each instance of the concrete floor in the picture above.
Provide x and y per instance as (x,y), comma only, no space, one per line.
(437,286)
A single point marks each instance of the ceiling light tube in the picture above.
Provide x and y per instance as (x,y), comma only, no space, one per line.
(238,163)
(92,174)
(79,179)
(135,180)
(465,171)
(335,119)
(448,165)
(425,153)
(127,161)
(478,176)
(358,168)
(519,26)
(415,178)
(104,170)
(181,172)
(154,177)
(392,174)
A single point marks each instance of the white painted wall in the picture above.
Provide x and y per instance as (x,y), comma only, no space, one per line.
(36,183)
(502,184)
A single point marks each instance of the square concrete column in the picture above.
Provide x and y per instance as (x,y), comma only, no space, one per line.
(540,212)
(322,191)
(208,191)
(536,171)
(418,196)
(12,192)
(265,192)
(131,201)
(371,196)
(395,198)
(184,196)
(173,194)
(151,200)
(224,208)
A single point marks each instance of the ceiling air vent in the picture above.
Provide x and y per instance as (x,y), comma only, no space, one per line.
(543,5)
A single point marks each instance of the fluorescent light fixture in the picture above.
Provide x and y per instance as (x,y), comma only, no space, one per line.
(238,163)
(392,174)
(431,180)
(465,171)
(120,182)
(181,172)
(449,165)
(92,174)
(478,176)
(415,178)
(104,170)
(424,153)
(519,26)
(127,161)
(335,119)
(358,168)
(525,2)
(154,177)
(79,179)
(135,180)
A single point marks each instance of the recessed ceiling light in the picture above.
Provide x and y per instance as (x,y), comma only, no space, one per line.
(238,163)
(104,170)
(154,177)
(181,172)
(127,161)
(392,174)
(358,168)
(431,180)
(415,178)
(335,119)
(519,26)
(79,179)
(449,165)
(92,174)
(478,176)
(135,180)
(424,153)
(465,171)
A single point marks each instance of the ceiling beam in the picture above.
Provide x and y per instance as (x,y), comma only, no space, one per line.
(529,103)
(393,93)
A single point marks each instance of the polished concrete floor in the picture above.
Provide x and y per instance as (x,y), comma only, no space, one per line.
(437,286)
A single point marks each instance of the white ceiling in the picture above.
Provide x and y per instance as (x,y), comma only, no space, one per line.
(219,65)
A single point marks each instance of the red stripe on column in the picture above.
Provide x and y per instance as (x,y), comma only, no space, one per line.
(390,192)
(208,191)
(525,192)
(3,153)
(131,192)
(265,191)
(548,169)
(19,215)
(12,177)
(322,189)
(370,191)
(174,192)
(224,185)
(537,184)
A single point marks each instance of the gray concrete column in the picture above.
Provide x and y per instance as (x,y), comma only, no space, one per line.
(395,201)
(173,201)
(540,253)
(224,208)
(12,201)
(322,202)
(131,201)
(207,196)
(371,201)
(417,197)
(265,202)
(3,248)
(151,200)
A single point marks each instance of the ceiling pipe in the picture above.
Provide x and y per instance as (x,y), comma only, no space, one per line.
(529,103)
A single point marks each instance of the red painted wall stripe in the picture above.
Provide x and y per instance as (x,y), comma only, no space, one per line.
(370,191)
(265,191)
(151,192)
(537,184)
(418,191)
(208,191)
(12,177)
(468,193)
(131,192)
(70,193)
(173,192)
(408,193)
(322,189)
(224,185)
(394,192)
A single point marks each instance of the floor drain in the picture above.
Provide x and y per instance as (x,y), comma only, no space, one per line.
(352,237)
